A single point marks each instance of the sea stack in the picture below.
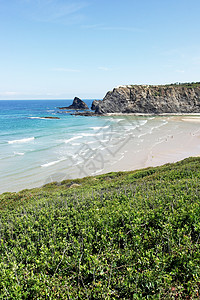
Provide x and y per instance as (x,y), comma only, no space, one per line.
(77,104)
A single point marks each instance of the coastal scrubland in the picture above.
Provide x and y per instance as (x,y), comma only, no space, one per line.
(176,84)
(186,84)
(125,235)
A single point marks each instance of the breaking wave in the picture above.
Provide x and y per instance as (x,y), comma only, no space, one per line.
(26,140)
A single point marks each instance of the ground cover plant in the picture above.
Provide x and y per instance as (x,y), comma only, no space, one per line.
(125,235)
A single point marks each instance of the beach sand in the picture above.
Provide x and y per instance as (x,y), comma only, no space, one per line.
(156,141)
(177,140)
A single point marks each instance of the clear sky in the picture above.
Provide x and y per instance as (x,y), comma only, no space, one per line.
(59,49)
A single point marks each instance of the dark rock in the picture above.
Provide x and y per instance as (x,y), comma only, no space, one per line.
(95,104)
(77,104)
(51,118)
(86,114)
(150,100)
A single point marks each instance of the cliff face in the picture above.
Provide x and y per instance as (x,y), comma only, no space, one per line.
(150,99)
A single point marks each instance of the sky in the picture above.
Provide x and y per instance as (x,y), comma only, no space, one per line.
(59,49)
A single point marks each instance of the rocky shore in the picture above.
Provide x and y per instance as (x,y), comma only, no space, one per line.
(147,99)
(54,118)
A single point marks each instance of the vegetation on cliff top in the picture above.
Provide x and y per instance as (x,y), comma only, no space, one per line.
(186,84)
(176,84)
(128,235)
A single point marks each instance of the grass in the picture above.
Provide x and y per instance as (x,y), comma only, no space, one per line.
(125,235)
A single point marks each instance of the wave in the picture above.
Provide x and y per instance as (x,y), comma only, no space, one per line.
(11,156)
(136,124)
(18,153)
(117,120)
(143,122)
(91,142)
(90,134)
(153,128)
(163,124)
(52,163)
(26,140)
(73,138)
(103,141)
(149,132)
(40,118)
(98,128)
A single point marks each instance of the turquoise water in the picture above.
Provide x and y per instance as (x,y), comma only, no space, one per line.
(34,150)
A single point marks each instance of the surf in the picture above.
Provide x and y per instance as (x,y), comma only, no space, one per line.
(25,140)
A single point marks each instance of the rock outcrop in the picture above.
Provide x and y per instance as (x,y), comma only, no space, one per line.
(56,118)
(77,104)
(95,104)
(85,113)
(183,98)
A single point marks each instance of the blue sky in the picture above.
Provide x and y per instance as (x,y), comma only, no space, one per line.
(59,49)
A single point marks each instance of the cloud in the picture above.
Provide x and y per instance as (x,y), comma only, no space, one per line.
(65,70)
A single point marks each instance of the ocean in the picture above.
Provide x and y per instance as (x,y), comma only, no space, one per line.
(35,151)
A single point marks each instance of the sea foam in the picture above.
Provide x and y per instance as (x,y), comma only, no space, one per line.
(73,138)
(19,153)
(40,118)
(91,134)
(26,140)
(53,163)
(98,128)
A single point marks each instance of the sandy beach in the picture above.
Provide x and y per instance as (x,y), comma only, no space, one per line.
(114,143)
(178,139)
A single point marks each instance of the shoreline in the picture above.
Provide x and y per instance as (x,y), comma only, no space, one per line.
(104,173)
(169,148)
(152,115)
(162,140)
(91,113)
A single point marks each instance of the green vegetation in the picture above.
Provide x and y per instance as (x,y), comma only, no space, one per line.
(132,235)
(176,84)
(185,84)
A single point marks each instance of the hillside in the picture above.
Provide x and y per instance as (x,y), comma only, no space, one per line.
(126,235)
(173,98)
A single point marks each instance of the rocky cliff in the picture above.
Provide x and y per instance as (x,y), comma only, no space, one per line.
(183,98)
